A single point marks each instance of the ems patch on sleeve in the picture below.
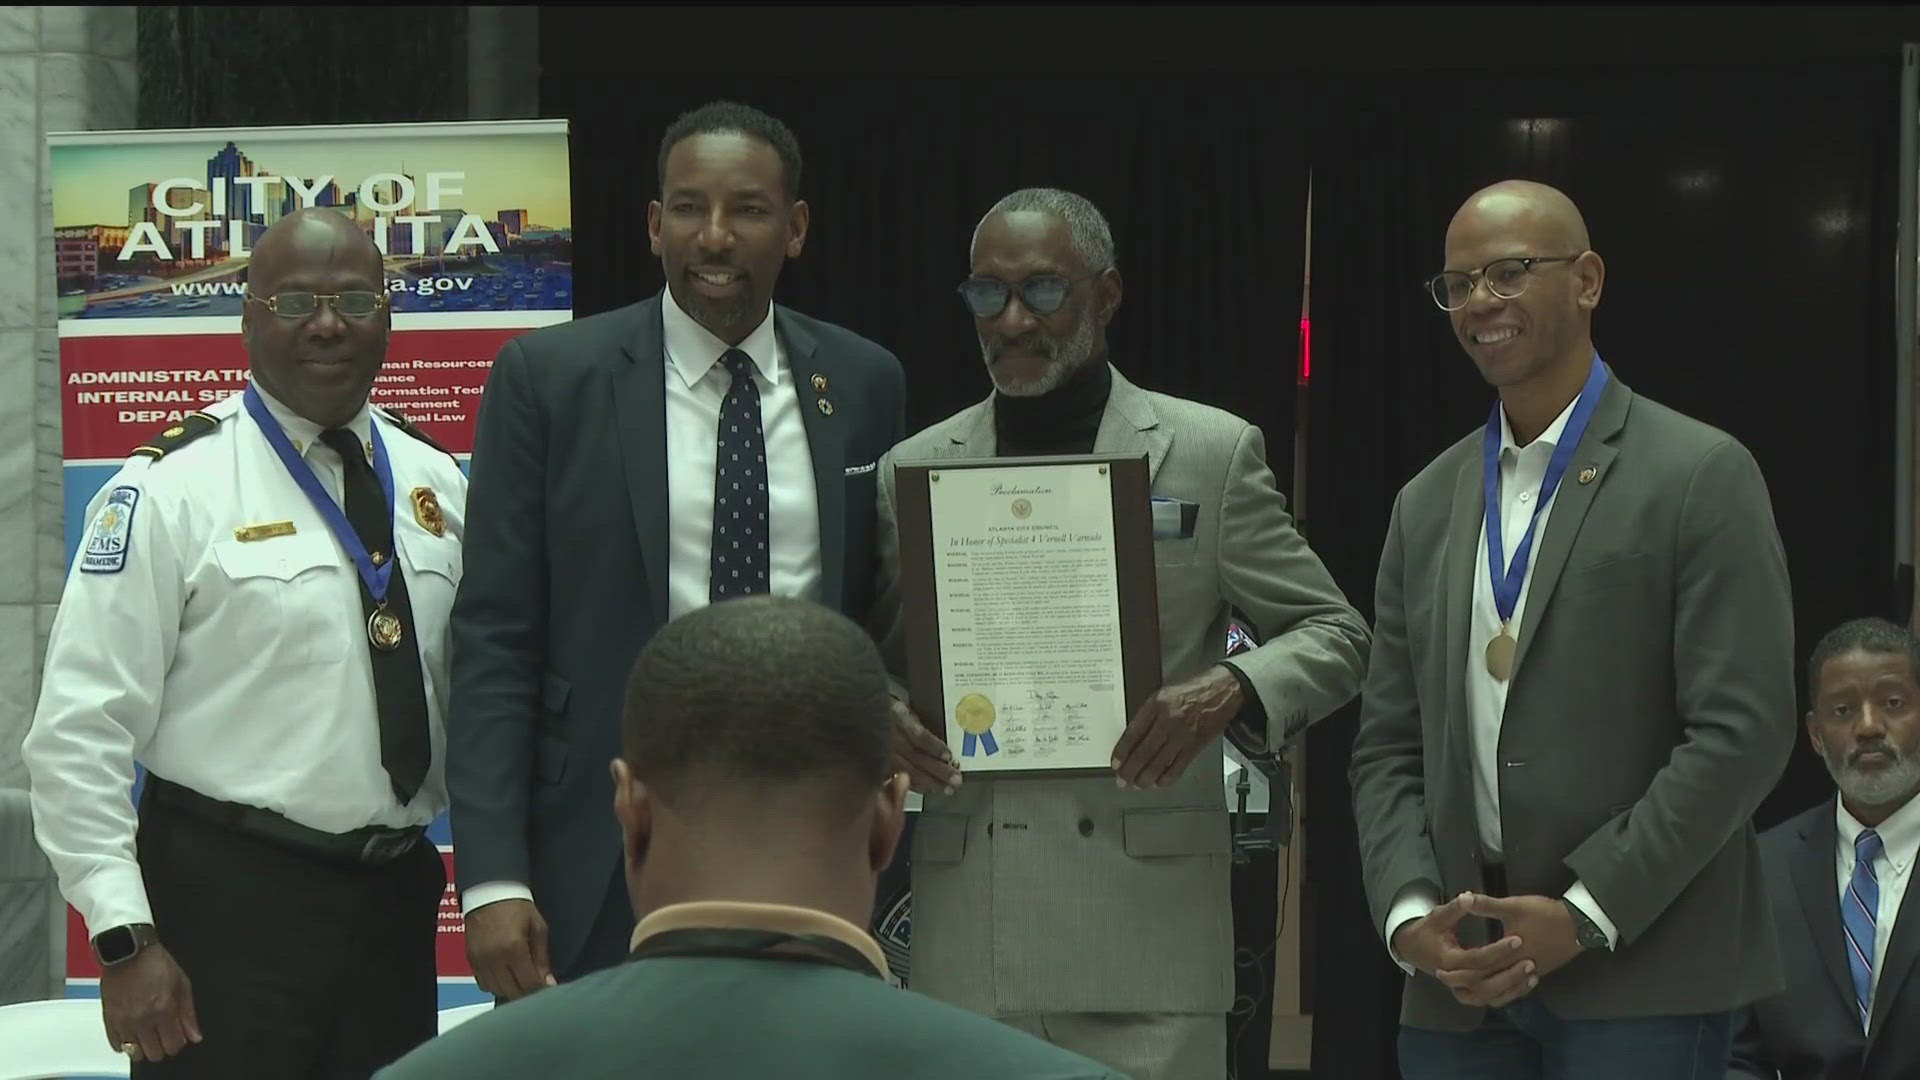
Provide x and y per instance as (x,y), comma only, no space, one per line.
(106,547)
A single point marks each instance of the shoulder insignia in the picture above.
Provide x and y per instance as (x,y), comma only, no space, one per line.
(173,438)
(413,429)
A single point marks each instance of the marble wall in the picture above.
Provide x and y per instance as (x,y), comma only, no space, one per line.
(61,69)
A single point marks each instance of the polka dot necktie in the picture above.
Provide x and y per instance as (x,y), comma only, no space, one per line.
(739,563)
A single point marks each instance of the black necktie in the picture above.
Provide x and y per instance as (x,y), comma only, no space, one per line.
(399,688)
(739,561)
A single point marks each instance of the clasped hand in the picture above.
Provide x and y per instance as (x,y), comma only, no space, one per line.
(1539,940)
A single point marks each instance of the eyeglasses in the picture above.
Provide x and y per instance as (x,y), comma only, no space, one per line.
(1042,294)
(1506,279)
(299,305)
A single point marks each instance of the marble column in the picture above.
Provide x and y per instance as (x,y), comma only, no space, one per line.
(61,69)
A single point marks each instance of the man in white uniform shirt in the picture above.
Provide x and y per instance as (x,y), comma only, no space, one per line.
(1839,876)
(628,468)
(258,615)
(1581,688)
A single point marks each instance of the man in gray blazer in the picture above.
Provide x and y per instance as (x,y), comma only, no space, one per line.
(1096,913)
(1581,688)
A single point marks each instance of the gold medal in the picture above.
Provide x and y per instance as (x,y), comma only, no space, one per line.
(1500,653)
(385,630)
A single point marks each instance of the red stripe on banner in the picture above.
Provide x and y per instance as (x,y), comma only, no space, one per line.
(118,392)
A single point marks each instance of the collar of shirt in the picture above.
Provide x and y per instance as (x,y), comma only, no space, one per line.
(692,350)
(305,433)
(781,918)
(1549,438)
(1900,834)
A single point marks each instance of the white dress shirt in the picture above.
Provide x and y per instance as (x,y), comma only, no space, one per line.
(696,385)
(1522,468)
(1900,840)
(238,668)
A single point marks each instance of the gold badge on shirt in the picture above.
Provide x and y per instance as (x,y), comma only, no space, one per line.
(248,533)
(426,511)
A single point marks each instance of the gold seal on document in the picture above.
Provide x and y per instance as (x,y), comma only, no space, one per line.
(974,714)
(1022,509)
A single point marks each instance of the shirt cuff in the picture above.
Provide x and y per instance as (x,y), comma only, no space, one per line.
(1579,897)
(114,895)
(1414,902)
(492,892)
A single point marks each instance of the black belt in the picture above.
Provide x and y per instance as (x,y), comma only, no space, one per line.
(371,846)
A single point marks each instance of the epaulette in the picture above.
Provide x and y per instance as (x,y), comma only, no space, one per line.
(194,425)
(413,429)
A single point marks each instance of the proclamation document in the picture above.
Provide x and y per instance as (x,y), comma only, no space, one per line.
(1026,587)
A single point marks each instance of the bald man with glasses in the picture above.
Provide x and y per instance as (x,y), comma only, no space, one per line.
(1581,689)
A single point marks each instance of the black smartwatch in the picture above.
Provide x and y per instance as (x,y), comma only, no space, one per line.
(1586,932)
(119,944)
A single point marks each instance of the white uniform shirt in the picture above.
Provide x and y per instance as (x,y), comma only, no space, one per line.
(238,668)
(696,385)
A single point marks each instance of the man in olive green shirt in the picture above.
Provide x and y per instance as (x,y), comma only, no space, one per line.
(757,811)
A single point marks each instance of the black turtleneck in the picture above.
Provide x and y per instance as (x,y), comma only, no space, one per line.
(1061,421)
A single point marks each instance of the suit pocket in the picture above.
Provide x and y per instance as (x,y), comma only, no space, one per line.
(1148,834)
(1607,573)
(939,838)
(554,692)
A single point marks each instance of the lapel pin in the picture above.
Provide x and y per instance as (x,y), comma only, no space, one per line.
(1587,474)
(826,407)
(819,384)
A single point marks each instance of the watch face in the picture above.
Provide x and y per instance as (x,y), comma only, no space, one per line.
(115,945)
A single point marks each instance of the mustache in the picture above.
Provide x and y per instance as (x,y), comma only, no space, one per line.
(1033,343)
(1891,752)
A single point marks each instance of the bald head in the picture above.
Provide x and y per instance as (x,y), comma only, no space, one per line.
(1533,282)
(316,322)
(1544,214)
(314,234)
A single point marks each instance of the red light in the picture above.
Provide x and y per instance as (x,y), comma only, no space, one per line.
(1306,350)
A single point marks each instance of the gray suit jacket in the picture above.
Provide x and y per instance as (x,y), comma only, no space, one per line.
(1070,895)
(1651,709)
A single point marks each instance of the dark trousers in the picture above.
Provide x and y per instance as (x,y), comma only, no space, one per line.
(1526,1041)
(610,939)
(301,968)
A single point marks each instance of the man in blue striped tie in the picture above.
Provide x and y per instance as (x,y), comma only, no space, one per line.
(1849,1010)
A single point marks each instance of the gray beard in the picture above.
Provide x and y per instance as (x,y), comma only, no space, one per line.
(1070,356)
(1880,787)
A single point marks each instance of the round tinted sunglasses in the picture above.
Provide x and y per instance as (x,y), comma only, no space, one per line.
(1042,294)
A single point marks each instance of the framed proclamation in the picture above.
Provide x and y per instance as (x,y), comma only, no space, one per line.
(1030,607)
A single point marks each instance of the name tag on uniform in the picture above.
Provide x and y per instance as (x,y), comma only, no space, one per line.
(249,533)
(1173,519)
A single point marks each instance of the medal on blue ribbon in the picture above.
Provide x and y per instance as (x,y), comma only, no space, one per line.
(384,628)
(1505,577)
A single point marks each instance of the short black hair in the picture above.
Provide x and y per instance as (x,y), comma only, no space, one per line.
(760,691)
(1877,637)
(717,117)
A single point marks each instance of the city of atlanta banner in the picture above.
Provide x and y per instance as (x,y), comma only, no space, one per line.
(151,240)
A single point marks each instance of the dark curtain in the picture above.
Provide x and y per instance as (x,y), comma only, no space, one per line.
(270,64)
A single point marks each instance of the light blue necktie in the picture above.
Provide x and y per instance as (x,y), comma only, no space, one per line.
(1859,914)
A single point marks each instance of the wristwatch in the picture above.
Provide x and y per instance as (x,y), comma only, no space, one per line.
(119,944)
(1585,931)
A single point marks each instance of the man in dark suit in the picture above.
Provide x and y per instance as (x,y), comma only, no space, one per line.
(1849,927)
(1581,688)
(757,804)
(628,468)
